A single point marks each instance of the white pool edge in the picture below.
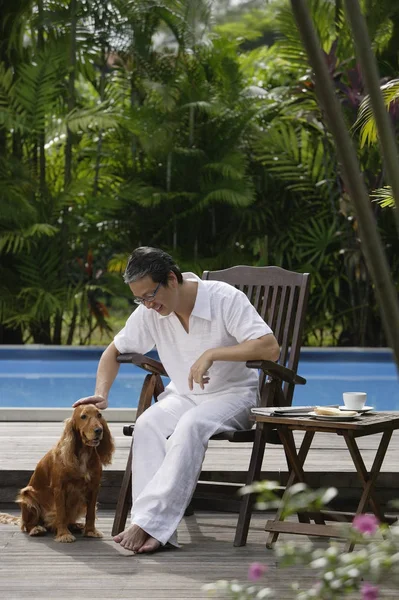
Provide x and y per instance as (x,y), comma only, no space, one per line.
(41,415)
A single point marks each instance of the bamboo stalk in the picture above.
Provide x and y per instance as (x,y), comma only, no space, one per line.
(369,68)
(370,238)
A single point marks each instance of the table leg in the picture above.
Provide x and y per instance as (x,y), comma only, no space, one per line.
(291,456)
(368,479)
(296,462)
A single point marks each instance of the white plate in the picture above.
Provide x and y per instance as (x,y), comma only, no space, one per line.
(332,417)
(359,410)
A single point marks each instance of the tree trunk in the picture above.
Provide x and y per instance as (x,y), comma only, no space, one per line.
(10,336)
(168,189)
(57,332)
(100,135)
(72,325)
(134,100)
(42,134)
(73,10)
(71,91)
(41,333)
(370,238)
(191,126)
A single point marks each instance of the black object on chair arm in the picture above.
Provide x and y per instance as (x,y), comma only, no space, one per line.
(276,371)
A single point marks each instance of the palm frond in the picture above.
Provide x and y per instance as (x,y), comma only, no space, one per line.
(16,188)
(40,305)
(92,119)
(141,193)
(315,239)
(298,157)
(223,168)
(328,25)
(227,196)
(41,291)
(383,36)
(11,114)
(384,197)
(42,268)
(365,119)
(18,241)
(202,106)
(38,87)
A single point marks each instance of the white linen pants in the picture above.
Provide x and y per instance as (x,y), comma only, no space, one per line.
(169,444)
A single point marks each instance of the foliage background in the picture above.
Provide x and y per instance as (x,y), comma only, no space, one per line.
(188,125)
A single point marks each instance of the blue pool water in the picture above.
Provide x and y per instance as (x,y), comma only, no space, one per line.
(330,373)
(31,377)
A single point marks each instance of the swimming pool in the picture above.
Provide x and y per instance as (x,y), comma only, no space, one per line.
(56,377)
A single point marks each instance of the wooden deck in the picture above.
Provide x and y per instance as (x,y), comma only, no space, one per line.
(23,444)
(40,568)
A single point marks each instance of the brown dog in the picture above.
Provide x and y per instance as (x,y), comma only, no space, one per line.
(65,483)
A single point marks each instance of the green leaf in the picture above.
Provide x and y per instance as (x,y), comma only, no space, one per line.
(299,157)
(226,196)
(92,119)
(365,119)
(384,197)
(18,241)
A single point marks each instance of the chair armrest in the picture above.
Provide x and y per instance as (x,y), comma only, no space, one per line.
(145,362)
(276,371)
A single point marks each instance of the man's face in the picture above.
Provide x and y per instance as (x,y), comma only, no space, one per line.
(164,300)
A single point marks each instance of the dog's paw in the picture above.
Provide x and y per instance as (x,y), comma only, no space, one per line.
(94,534)
(76,527)
(65,538)
(38,530)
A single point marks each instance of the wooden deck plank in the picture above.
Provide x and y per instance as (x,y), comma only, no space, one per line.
(22,445)
(97,568)
(41,569)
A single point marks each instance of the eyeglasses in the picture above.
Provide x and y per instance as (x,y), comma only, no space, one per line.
(149,297)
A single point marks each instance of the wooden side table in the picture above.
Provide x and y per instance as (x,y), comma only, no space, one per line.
(364,425)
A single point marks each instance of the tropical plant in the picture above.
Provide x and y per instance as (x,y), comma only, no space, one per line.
(374,564)
(143,123)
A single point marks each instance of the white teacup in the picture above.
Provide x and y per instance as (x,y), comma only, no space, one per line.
(355,400)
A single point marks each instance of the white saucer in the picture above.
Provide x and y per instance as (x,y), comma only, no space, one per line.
(332,417)
(359,410)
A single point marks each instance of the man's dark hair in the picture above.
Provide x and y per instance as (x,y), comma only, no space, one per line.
(153,262)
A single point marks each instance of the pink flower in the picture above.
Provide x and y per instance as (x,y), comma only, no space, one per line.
(366,523)
(256,570)
(369,591)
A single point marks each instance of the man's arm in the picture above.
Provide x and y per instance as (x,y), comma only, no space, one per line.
(263,348)
(107,370)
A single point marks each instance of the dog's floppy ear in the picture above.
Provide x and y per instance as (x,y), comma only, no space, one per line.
(67,442)
(106,448)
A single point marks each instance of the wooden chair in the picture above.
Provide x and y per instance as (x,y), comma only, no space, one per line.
(280,297)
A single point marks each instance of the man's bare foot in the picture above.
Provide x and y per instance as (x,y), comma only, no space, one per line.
(133,538)
(151,545)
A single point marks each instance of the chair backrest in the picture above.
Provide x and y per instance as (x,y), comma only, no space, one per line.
(280,297)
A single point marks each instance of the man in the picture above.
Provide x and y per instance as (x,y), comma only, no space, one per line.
(204,331)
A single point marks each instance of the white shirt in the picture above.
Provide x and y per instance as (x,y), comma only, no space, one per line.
(222,316)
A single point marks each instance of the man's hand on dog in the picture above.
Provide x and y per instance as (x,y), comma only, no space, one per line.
(99,401)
